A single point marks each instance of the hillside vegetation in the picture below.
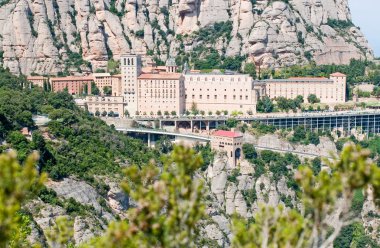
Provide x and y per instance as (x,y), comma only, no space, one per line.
(74,142)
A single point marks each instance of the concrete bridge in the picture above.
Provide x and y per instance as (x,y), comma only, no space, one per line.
(207,139)
(149,132)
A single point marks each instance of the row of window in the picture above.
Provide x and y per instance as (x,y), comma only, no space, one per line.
(221,79)
(229,144)
(216,97)
(163,91)
(160,96)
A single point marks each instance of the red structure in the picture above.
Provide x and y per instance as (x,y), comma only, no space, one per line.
(74,85)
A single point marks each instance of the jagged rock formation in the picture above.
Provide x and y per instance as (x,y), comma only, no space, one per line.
(51,36)
(228,191)
(100,209)
(244,192)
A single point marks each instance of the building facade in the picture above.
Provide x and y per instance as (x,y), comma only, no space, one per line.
(38,80)
(218,92)
(102,80)
(153,89)
(330,91)
(74,85)
(164,92)
(230,143)
(108,104)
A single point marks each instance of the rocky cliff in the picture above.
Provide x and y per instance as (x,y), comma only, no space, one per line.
(51,36)
(227,191)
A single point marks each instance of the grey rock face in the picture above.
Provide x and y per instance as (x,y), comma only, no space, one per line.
(81,192)
(38,36)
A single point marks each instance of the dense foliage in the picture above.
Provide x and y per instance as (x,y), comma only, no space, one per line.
(16,184)
(355,71)
(169,201)
(74,142)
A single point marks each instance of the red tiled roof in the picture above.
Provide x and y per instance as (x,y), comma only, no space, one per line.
(72,78)
(338,74)
(174,76)
(228,134)
(36,78)
(308,78)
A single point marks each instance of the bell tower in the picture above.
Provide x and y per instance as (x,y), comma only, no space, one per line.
(130,65)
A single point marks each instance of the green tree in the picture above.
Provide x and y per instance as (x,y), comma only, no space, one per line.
(316,165)
(104,113)
(107,90)
(97,113)
(173,113)
(265,105)
(231,123)
(174,190)
(312,98)
(164,145)
(249,151)
(298,101)
(376,91)
(113,67)
(24,118)
(16,185)
(250,69)
(94,89)
(283,103)
(126,113)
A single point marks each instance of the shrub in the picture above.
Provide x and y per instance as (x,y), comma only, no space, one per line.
(140,33)
(232,177)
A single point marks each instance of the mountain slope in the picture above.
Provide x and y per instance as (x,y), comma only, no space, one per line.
(49,36)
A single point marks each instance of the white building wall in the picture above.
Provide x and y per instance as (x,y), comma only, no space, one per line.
(214,92)
(330,91)
(161,95)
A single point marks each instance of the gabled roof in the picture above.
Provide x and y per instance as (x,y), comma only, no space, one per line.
(308,78)
(338,74)
(36,78)
(73,78)
(229,134)
(172,76)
